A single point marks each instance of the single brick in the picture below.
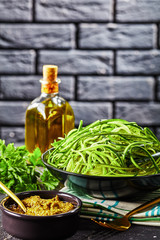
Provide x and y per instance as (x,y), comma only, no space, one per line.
(37,36)
(29,87)
(115,88)
(90,112)
(138,11)
(20,87)
(117,36)
(138,62)
(17,61)
(158,88)
(13,10)
(12,113)
(142,113)
(75,11)
(13,135)
(78,62)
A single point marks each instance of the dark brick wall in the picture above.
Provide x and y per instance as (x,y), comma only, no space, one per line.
(108,53)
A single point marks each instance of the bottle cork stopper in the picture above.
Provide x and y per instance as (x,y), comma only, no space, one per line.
(50,73)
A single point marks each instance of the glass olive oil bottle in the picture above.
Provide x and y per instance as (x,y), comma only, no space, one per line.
(49,116)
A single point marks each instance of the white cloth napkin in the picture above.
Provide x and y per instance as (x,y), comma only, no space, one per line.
(108,210)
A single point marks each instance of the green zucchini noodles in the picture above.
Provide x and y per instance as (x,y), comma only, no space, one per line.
(111,148)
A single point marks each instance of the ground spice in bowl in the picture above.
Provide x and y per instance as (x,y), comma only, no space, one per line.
(37,206)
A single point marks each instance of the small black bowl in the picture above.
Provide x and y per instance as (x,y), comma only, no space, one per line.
(105,187)
(59,226)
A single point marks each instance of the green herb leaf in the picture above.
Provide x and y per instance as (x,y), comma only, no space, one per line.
(22,171)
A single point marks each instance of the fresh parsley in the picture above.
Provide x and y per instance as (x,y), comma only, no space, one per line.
(21,170)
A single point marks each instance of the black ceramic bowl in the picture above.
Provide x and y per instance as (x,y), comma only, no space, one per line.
(105,187)
(58,226)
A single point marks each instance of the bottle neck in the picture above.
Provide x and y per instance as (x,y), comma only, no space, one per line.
(49,87)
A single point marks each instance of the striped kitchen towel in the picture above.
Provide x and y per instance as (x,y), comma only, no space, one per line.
(108,210)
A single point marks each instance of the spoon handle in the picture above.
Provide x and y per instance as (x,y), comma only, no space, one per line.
(143,206)
(13,196)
